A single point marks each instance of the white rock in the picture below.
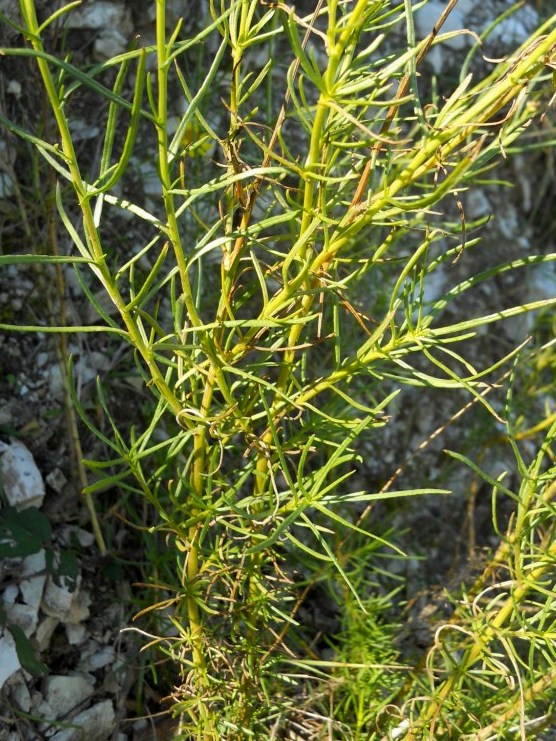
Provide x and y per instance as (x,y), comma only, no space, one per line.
(75,633)
(477,204)
(541,282)
(400,730)
(79,609)
(508,221)
(7,155)
(94,724)
(516,28)
(109,44)
(57,599)
(56,480)
(150,179)
(42,358)
(468,6)
(84,372)
(14,88)
(32,587)
(539,285)
(70,535)
(427,16)
(20,694)
(46,628)
(24,617)
(56,382)
(7,188)
(83,130)
(100,15)
(62,694)
(10,594)
(23,484)
(9,663)
(522,171)
(85,538)
(434,285)
(98,660)
(25,614)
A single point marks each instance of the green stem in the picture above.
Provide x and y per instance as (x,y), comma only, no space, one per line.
(163,64)
(94,245)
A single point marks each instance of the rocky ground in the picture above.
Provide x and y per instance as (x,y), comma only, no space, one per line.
(70,665)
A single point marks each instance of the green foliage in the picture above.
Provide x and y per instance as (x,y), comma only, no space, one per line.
(26,653)
(366,670)
(28,531)
(251,310)
(22,533)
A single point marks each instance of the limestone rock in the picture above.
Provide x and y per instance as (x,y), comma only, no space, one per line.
(23,484)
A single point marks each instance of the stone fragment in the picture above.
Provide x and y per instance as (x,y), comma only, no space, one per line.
(75,633)
(400,730)
(56,480)
(427,16)
(99,16)
(9,661)
(24,617)
(79,609)
(23,484)
(46,628)
(515,29)
(14,88)
(10,594)
(176,10)
(95,657)
(109,44)
(23,607)
(72,535)
(434,285)
(541,282)
(477,204)
(64,693)
(58,598)
(150,178)
(94,724)
(539,285)
(83,130)
(6,185)
(19,693)
(56,384)
(32,587)
(88,367)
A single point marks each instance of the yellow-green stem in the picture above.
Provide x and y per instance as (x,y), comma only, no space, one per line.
(311,169)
